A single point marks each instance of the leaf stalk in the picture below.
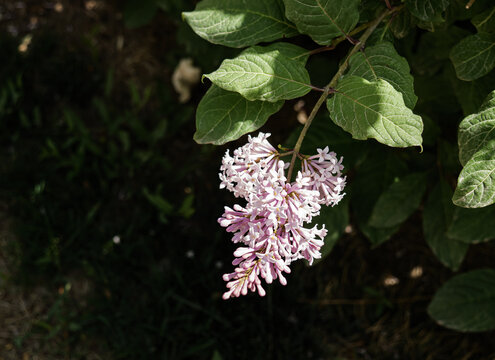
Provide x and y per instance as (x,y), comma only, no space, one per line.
(330,88)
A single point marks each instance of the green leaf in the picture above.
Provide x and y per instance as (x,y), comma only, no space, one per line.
(401,24)
(289,50)
(476,183)
(374,176)
(374,110)
(378,236)
(476,130)
(473,226)
(466,302)
(437,217)
(239,23)
(427,10)
(457,10)
(369,10)
(485,22)
(398,202)
(382,61)
(474,56)
(224,116)
(323,20)
(335,219)
(260,73)
(471,94)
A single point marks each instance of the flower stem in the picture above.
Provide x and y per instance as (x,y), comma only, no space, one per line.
(330,87)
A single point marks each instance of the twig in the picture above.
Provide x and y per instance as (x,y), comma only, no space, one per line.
(469,4)
(330,87)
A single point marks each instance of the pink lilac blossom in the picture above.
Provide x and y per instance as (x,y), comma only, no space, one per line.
(270,228)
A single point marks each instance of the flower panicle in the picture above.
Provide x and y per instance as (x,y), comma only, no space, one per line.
(270,227)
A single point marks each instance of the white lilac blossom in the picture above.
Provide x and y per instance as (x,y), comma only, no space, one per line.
(270,228)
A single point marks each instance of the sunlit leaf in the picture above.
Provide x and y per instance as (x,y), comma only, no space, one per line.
(476,130)
(239,23)
(382,61)
(323,20)
(374,110)
(262,73)
(476,183)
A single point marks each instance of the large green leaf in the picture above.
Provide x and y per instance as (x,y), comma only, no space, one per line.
(466,302)
(263,73)
(398,202)
(289,50)
(374,110)
(381,61)
(427,10)
(239,23)
(323,20)
(470,94)
(485,22)
(437,217)
(474,56)
(476,183)
(224,116)
(476,130)
(473,226)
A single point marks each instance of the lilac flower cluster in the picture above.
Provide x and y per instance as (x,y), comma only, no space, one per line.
(270,227)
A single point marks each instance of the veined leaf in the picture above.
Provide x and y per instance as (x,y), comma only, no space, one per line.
(262,73)
(473,226)
(374,110)
(427,10)
(381,61)
(437,217)
(397,203)
(224,116)
(239,23)
(476,130)
(476,184)
(485,22)
(474,56)
(289,50)
(466,302)
(323,20)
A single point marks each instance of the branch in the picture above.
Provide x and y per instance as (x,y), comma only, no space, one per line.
(330,87)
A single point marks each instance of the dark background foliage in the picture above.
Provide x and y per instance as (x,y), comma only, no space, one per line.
(113,207)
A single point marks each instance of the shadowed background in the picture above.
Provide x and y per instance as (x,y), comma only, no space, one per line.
(110,247)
